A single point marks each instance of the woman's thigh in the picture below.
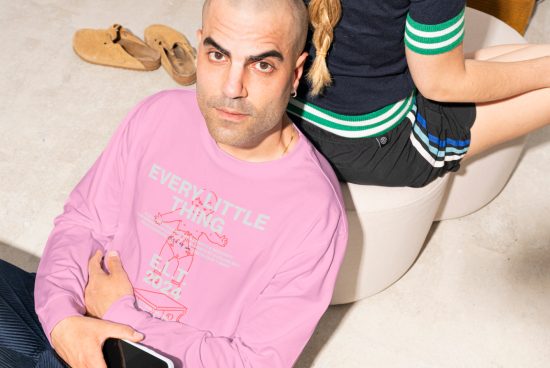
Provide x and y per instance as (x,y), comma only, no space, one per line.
(493,51)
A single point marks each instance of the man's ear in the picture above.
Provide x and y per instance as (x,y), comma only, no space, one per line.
(299,69)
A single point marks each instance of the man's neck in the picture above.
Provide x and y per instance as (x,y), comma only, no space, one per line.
(272,147)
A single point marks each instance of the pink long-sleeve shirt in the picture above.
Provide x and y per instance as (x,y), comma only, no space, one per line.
(232,262)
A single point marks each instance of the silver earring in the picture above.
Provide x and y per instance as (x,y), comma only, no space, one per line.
(294,94)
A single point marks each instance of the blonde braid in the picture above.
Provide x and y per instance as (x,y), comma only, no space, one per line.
(323,15)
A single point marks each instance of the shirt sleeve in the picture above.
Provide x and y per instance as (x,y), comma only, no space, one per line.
(88,222)
(273,329)
(434,26)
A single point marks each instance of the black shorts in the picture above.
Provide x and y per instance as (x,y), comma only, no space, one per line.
(428,143)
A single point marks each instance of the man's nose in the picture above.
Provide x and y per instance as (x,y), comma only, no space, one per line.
(234,84)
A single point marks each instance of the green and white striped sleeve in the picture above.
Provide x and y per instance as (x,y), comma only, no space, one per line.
(434,38)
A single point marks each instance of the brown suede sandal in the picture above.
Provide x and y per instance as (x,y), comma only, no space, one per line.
(117,47)
(176,54)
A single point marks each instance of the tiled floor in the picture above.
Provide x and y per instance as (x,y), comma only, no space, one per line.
(479,295)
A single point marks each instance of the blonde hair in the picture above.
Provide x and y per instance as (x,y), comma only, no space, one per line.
(323,16)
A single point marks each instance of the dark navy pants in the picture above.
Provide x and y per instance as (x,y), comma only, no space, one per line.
(22,340)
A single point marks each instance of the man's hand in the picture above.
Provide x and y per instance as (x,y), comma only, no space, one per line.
(103,288)
(79,340)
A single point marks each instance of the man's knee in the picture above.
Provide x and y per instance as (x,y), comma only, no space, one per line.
(15,281)
(9,271)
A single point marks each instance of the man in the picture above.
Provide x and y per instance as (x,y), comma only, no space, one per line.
(220,226)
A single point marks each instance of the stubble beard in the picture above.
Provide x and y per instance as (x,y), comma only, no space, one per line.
(247,133)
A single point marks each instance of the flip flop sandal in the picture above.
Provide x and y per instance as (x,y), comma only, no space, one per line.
(116,46)
(177,56)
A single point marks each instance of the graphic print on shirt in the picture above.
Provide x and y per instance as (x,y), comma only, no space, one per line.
(172,263)
(196,225)
(178,251)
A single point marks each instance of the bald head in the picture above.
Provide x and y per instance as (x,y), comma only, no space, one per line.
(292,8)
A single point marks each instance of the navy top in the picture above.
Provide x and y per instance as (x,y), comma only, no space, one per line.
(367,58)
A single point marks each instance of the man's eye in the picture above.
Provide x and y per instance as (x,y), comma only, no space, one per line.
(263,66)
(216,56)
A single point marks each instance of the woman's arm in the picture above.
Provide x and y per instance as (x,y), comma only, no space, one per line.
(448,77)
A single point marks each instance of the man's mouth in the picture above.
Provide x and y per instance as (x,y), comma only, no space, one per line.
(230,114)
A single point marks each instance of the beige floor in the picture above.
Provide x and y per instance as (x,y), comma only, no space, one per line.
(479,295)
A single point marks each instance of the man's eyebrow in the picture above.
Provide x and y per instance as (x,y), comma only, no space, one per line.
(208,41)
(272,53)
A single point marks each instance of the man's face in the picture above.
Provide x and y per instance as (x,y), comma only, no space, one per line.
(246,70)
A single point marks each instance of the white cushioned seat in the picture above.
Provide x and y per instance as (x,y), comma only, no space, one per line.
(387,228)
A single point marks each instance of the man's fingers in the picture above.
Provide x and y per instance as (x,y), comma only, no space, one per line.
(94,265)
(113,263)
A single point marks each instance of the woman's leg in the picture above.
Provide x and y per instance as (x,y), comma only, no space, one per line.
(494,51)
(501,121)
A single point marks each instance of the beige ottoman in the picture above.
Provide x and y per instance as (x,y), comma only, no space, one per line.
(388,226)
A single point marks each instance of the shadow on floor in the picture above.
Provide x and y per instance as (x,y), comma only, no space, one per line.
(19,258)
(325,330)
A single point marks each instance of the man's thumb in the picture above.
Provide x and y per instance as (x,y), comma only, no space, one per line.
(125,332)
(136,336)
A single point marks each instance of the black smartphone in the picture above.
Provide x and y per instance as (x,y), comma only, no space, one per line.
(126,354)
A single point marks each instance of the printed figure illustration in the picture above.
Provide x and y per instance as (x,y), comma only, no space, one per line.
(178,251)
(169,268)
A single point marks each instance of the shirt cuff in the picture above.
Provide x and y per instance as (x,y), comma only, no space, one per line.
(433,39)
(57,310)
(124,311)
